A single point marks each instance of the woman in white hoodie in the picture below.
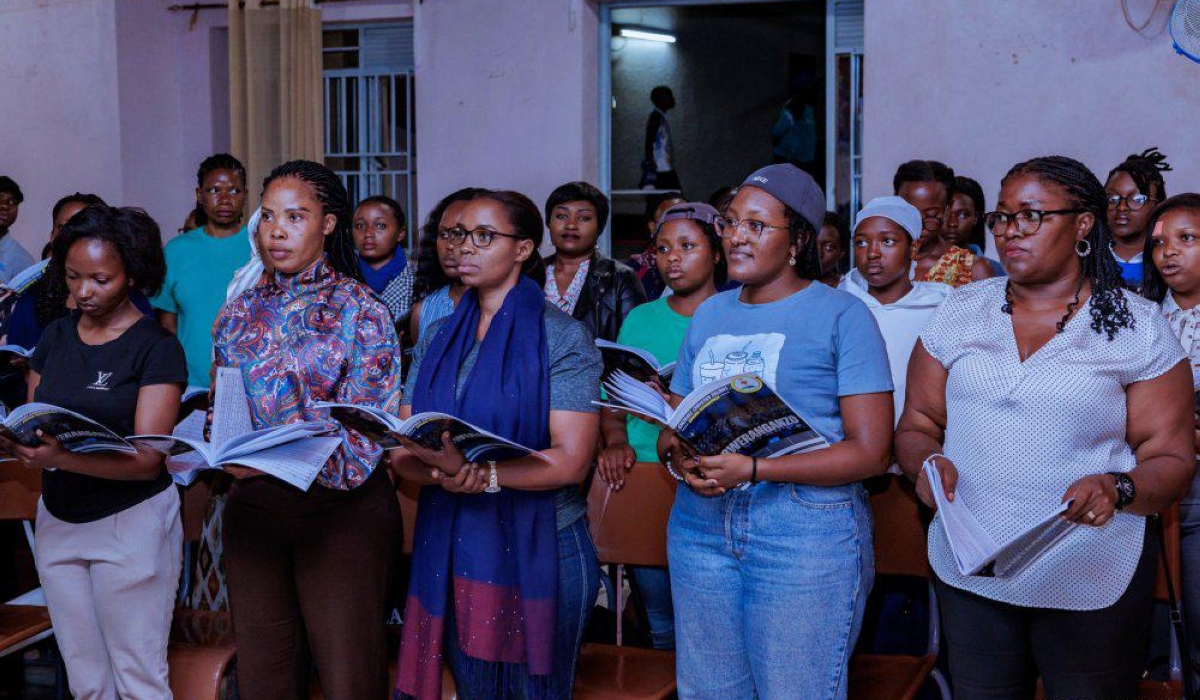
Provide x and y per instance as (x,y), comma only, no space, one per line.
(884,232)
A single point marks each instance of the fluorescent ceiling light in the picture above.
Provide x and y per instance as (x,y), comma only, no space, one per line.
(648,35)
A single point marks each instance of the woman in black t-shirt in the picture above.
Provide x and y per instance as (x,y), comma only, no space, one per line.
(108,534)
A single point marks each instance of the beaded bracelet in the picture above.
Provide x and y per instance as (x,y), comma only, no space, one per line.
(672,471)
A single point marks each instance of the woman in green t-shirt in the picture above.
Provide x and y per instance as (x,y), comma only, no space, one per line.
(688,255)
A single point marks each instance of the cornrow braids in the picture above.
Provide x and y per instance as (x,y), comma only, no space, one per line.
(339,245)
(1109,310)
(429,274)
(1146,169)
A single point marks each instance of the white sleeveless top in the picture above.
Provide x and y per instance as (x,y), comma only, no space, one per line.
(1021,433)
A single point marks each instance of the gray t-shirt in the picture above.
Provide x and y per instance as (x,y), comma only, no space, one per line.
(575,367)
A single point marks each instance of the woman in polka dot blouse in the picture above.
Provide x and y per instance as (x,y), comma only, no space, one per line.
(1051,384)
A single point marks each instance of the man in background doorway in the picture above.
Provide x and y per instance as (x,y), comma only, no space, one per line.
(658,158)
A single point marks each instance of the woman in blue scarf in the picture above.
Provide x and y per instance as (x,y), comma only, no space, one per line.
(504,572)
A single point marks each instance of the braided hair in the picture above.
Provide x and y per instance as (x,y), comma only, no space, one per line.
(339,245)
(1110,312)
(429,274)
(1154,287)
(802,234)
(1146,169)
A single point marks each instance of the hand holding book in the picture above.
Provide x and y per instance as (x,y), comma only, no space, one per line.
(947,476)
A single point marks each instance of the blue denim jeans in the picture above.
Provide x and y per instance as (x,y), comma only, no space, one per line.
(770,584)
(578,586)
(654,587)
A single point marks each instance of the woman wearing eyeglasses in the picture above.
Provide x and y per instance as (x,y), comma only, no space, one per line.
(1051,385)
(771,559)
(504,572)
(1134,189)
(436,287)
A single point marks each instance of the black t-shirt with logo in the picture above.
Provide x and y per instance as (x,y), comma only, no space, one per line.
(102,383)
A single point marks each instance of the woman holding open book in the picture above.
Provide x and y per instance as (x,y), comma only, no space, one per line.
(308,571)
(108,541)
(756,545)
(1051,386)
(504,572)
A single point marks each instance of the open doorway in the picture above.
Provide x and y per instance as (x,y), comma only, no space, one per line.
(749,88)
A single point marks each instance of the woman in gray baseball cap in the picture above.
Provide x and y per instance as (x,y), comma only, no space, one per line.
(754,541)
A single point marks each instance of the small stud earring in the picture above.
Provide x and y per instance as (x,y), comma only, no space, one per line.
(792,261)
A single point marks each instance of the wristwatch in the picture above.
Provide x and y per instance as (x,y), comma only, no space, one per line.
(493,482)
(1126,491)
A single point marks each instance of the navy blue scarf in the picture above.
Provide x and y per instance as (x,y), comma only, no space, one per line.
(494,557)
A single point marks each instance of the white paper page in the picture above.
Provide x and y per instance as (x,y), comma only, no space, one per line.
(971,545)
(265,439)
(231,410)
(646,356)
(297,463)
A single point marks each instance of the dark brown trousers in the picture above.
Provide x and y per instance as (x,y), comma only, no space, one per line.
(309,577)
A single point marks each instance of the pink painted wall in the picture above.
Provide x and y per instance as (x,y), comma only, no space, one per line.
(119,97)
(60,104)
(984,85)
(506,97)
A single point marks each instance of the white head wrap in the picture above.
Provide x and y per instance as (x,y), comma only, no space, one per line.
(249,274)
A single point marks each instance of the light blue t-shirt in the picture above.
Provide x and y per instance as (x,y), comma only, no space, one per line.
(812,347)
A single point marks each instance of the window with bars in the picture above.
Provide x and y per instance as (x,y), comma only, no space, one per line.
(369,132)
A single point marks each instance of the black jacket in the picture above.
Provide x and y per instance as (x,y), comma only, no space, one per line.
(609,293)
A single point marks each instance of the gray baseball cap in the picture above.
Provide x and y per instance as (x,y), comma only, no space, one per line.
(794,187)
(697,211)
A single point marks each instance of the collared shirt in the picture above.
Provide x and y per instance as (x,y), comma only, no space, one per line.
(320,336)
(1186,324)
(566,300)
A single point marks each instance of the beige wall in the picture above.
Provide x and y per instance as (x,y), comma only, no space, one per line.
(985,84)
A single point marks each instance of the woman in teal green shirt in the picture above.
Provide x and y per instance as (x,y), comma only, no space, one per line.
(688,255)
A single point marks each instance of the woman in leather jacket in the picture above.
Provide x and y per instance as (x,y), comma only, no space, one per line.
(596,290)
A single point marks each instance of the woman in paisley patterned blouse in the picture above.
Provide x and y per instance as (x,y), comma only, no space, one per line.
(308,571)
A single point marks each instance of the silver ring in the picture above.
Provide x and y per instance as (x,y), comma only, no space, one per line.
(1091,516)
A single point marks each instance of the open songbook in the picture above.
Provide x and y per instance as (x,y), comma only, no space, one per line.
(635,362)
(975,552)
(382,428)
(8,352)
(23,280)
(294,453)
(738,414)
(75,432)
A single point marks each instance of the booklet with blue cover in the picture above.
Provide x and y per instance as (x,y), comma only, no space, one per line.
(739,414)
(425,429)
